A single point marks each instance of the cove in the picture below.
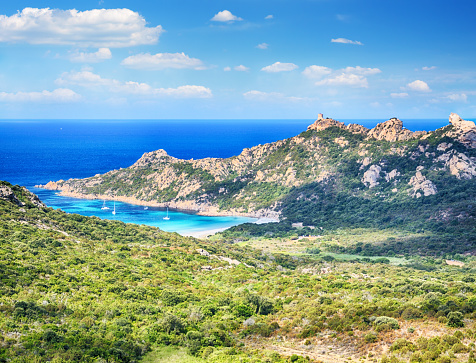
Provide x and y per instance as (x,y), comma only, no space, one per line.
(186,224)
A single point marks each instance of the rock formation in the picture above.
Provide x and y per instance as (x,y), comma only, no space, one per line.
(371,176)
(420,183)
(463,131)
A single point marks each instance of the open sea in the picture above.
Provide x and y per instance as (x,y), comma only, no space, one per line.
(37,151)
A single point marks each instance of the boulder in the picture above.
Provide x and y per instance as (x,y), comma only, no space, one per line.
(371,176)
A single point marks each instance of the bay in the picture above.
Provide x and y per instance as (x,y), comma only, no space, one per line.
(37,151)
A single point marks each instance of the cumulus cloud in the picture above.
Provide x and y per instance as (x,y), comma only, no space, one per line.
(94,81)
(227,69)
(84,57)
(345,79)
(161,61)
(419,86)
(399,95)
(262,46)
(362,71)
(346,41)
(316,71)
(428,68)
(269,17)
(225,16)
(280,67)
(241,68)
(349,76)
(109,28)
(59,95)
(271,97)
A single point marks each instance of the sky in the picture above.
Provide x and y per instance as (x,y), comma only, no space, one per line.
(237,59)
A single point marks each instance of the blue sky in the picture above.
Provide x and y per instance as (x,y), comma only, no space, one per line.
(237,59)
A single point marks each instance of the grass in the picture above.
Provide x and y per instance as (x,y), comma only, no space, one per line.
(170,355)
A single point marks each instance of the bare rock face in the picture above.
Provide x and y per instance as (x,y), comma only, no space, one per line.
(392,130)
(420,183)
(461,124)
(371,176)
(6,193)
(459,164)
(357,129)
(463,131)
(324,123)
(392,175)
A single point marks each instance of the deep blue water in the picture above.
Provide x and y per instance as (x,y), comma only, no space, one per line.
(37,151)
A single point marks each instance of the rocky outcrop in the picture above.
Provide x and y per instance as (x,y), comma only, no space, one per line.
(392,130)
(421,184)
(371,176)
(459,164)
(463,131)
(324,123)
(7,194)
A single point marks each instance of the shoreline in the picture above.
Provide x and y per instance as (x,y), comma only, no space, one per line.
(204,210)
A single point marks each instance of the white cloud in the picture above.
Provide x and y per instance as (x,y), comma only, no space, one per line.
(346,41)
(161,61)
(90,80)
(84,57)
(345,79)
(241,68)
(262,46)
(399,95)
(225,16)
(91,28)
(280,67)
(457,97)
(272,97)
(362,71)
(227,69)
(419,86)
(316,71)
(269,17)
(349,76)
(428,68)
(59,95)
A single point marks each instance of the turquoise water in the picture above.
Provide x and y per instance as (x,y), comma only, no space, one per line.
(183,223)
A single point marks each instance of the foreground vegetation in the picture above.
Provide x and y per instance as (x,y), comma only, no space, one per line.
(80,289)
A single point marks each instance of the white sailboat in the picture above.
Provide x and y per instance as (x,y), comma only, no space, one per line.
(114,211)
(104,207)
(167,216)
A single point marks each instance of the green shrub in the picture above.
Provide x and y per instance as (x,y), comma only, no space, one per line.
(455,319)
(370,338)
(387,321)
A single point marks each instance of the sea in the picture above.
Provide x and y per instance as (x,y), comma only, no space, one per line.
(34,152)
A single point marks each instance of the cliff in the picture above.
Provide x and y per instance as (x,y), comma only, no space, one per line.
(387,161)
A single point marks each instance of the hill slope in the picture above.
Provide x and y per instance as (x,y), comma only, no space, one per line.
(81,289)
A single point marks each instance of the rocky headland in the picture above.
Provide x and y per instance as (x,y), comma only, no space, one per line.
(388,159)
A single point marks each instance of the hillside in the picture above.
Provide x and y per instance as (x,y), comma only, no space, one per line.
(331,176)
(81,289)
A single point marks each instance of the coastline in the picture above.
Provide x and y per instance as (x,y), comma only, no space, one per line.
(262,216)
